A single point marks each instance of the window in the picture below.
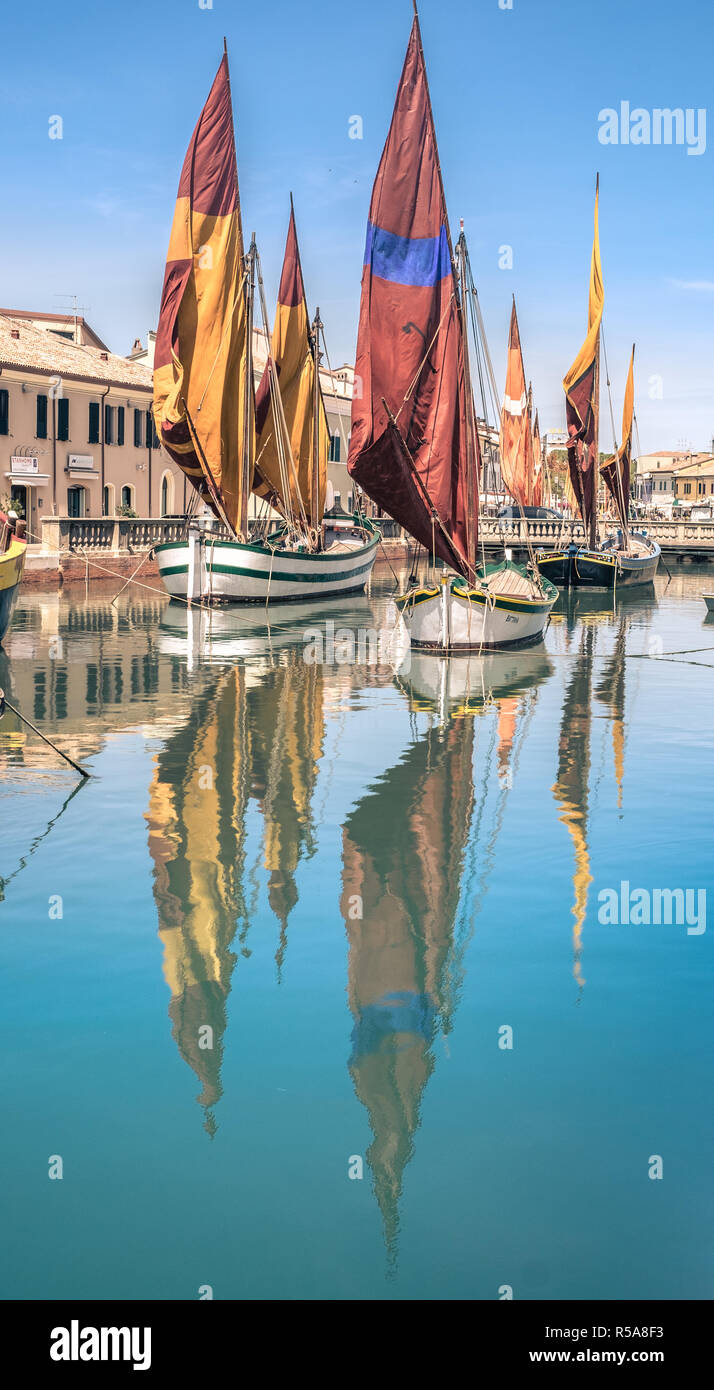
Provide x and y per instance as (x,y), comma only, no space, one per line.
(4,412)
(62,418)
(108,500)
(151,434)
(41,427)
(120,424)
(687,487)
(167,494)
(93,422)
(109,424)
(75,501)
(335,448)
(138,429)
(127,496)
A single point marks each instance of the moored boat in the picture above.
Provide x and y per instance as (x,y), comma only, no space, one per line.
(231,443)
(13,549)
(625,559)
(414,445)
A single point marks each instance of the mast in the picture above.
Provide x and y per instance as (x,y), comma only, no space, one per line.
(594,537)
(315,489)
(472,481)
(248,395)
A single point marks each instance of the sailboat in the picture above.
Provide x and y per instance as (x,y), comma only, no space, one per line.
(519,437)
(205,408)
(626,558)
(13,549)
(414,446)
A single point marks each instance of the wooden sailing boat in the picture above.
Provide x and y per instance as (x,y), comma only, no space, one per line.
(13,549)
(205,407)
(627,558)
(414,447)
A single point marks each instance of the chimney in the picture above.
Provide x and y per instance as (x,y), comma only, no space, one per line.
(104,356)
(14,332)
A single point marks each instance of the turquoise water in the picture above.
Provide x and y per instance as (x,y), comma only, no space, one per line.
(281,932)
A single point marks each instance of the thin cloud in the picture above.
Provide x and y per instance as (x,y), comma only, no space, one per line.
(696,286)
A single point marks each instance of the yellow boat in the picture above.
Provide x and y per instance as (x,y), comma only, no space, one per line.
(13,548)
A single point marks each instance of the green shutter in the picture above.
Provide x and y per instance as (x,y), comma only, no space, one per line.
(109,424)
(41,430)
(4,412)
(120,424)
(138,439)
(93,422)
(63,418)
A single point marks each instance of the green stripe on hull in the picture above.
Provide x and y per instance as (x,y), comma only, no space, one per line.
(276,577)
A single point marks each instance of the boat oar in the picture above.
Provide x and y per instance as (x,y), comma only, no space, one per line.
(5,704)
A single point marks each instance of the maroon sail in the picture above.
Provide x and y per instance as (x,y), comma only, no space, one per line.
(409,455)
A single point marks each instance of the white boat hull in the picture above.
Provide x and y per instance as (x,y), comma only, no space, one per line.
(202,569)
(455,618)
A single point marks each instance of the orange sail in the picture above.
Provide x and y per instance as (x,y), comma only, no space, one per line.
(516,440)
(582,392)
(201,359)
(290,476)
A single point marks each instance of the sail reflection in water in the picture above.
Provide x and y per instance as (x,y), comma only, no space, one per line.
(253,737)
(416,852)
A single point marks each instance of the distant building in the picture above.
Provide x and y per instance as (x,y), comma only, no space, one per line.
(694,483)
(653,483)
(76,430)
(554,439)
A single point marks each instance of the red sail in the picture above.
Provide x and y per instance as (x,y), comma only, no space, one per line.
(410,349)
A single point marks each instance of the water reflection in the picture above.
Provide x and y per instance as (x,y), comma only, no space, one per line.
(417,849)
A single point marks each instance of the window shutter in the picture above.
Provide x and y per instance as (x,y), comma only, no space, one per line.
(120,424)
(93,422)
(4,411)
(63,418)
(109,424)
(41,430)
(138,432)
(151,430)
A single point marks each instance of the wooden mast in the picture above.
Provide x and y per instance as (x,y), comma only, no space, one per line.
(471,426)
(248,397)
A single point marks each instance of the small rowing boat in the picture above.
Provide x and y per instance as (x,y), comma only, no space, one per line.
(13,549)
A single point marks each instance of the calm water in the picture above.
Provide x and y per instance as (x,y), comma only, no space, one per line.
(288,921)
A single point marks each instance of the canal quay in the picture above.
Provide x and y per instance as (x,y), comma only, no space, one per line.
(333,980)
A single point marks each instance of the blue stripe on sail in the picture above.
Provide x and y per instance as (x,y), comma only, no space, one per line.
(407,260)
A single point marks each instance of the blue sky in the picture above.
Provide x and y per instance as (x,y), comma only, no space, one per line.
(516,96)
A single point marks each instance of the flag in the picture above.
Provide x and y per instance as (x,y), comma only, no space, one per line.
(410,347)
(290,484)
(201,353)
(581,386)
(616,471)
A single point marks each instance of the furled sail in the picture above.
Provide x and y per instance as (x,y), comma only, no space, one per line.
(537,491)
(288,477)
(616,471)
(410,455)
(516,439)
(582,390)
(201,358)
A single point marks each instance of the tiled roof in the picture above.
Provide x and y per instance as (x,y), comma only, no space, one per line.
(705,465)
(37,350)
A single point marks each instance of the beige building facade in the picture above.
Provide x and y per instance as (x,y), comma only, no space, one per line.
(76,431)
